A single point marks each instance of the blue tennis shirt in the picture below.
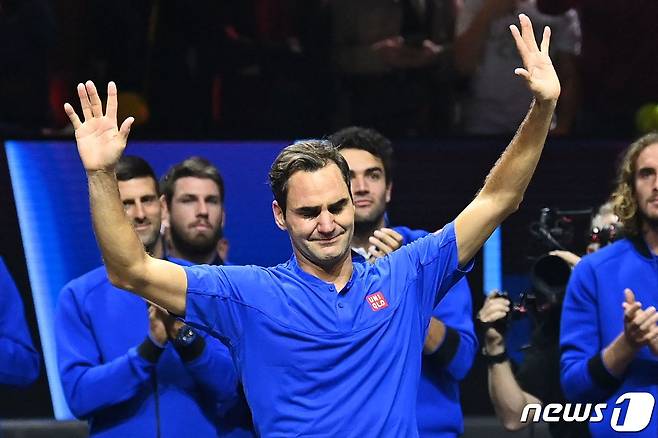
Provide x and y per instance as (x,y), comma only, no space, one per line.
(315,361)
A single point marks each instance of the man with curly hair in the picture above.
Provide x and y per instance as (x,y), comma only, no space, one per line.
(609,335)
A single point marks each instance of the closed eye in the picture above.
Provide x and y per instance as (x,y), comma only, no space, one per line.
(337,207)
(308,212)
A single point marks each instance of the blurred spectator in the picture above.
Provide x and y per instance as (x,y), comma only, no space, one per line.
(496,100)
(619,59)
(119,32)
(394,64)
(275,74)
(27,34)
(186,48)
(193,209)
(19,361)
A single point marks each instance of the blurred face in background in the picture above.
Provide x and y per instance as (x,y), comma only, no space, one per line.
(369,188)
(141,204)
(646,185)
(195,216)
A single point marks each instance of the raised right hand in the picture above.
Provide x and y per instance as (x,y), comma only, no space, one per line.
(100,143)
(495,307)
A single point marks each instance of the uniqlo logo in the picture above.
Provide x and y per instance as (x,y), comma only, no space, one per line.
(377,301)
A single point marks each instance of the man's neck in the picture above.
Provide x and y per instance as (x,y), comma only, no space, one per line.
(650,234)
(363,231)
(338,274)
(198,259)
(157,250)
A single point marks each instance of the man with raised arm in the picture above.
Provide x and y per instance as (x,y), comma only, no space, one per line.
(324,346)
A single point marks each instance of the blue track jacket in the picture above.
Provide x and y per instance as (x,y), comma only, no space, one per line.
(592,317)
(123,384)
(19,361)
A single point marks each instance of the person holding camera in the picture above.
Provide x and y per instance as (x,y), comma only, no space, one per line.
(536,379)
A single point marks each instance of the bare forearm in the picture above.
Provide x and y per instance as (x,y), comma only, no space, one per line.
(506,184)
(119,244)
(506,395)
(509,178)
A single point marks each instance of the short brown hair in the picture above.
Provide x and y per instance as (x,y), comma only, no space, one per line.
(623,197)
(196,167)
(305,156)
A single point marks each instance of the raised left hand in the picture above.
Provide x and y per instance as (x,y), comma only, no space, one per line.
(538,70)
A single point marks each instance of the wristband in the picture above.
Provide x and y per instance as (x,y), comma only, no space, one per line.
(496,358)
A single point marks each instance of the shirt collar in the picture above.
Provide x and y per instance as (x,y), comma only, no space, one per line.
(357,260)
(359,253)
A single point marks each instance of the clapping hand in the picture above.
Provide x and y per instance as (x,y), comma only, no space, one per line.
(640,326)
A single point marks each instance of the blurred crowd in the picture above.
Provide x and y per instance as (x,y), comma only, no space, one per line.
(279,68)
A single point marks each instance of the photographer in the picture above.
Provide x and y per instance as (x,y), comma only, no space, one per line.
(537,378)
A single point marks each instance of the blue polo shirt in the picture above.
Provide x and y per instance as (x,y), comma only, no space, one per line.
(439,409)
(315,361)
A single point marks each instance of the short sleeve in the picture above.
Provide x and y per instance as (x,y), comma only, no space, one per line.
(216,298)
(433,262)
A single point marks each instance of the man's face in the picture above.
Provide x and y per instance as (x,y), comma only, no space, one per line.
(319,215)
(140,201)
(369,189)
(646,183)
(196,215)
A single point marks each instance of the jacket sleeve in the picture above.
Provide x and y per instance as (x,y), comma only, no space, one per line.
(456,353)
(583,376)
(89,384)
(19,361)
(211,366)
